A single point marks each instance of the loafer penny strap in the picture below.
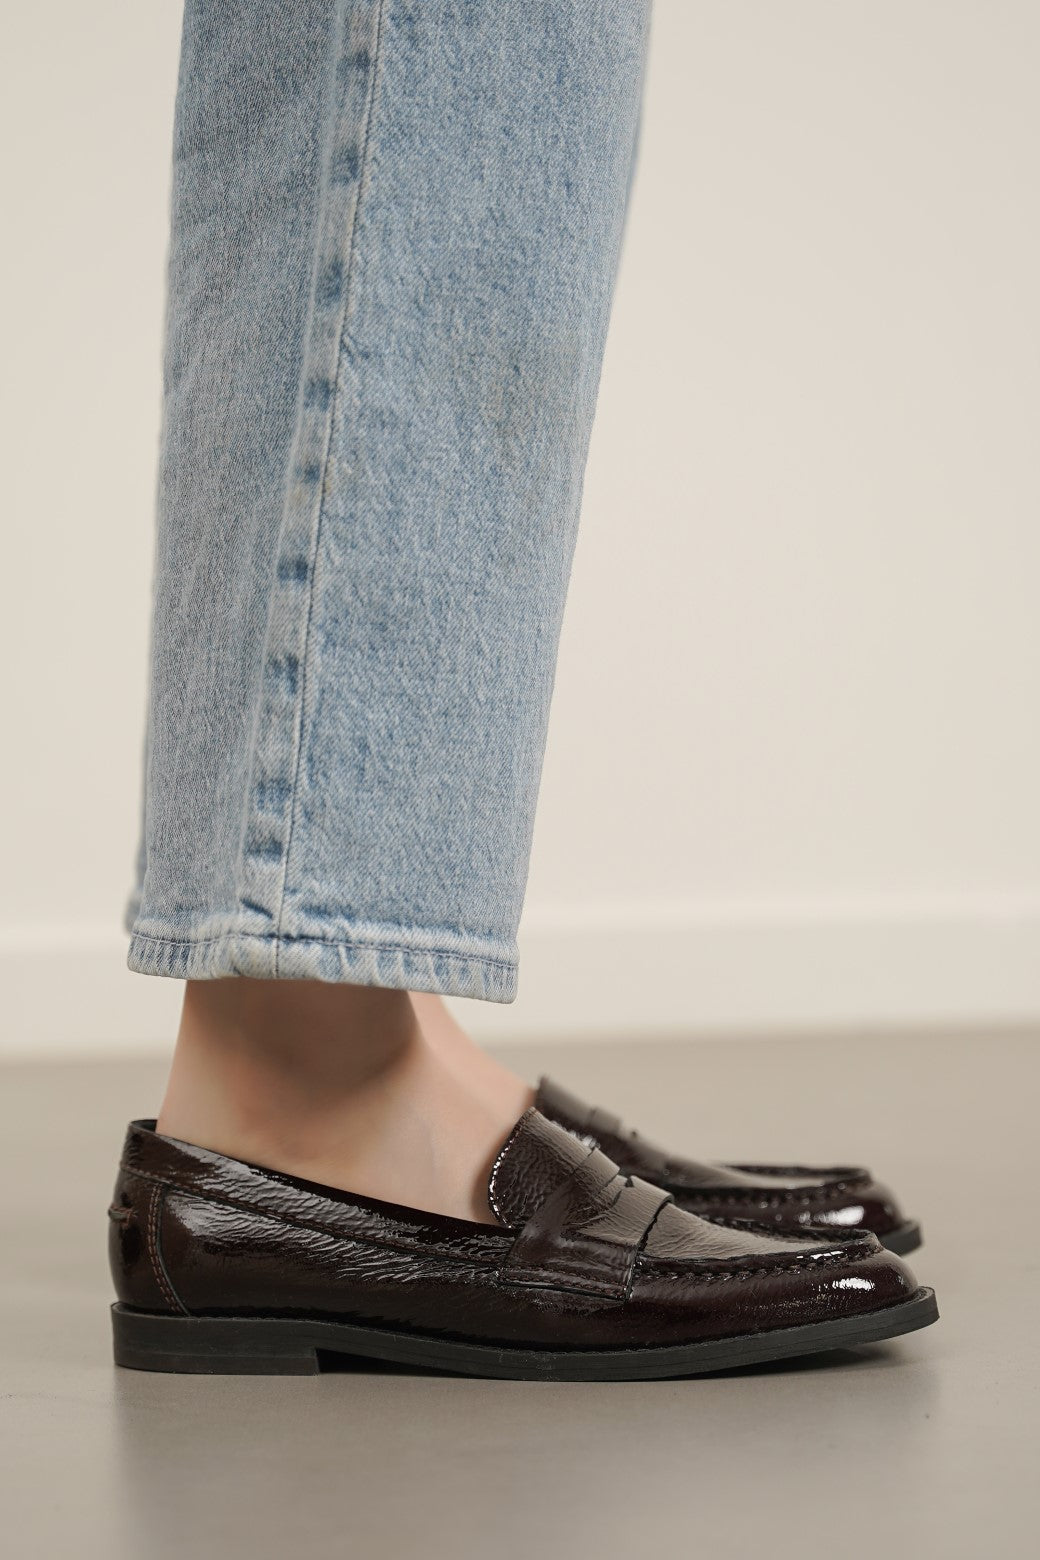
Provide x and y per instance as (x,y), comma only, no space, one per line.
(587,1233)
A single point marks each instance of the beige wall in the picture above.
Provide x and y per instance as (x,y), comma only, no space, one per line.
(794,759)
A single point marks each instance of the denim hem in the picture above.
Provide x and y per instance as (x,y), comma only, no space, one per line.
(267,957)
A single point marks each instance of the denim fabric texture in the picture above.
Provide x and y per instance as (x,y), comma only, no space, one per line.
(395,231)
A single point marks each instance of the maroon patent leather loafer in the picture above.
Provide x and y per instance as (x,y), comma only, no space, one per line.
(588,1274)
(785,1197)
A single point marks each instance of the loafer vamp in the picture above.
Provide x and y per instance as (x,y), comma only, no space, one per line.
(836,1199)
(785,1197)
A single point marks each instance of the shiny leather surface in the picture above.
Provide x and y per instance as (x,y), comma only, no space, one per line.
(787,1197)
(582,1256)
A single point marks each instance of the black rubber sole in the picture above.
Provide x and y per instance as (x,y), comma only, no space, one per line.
(905,1239)
(276,1346)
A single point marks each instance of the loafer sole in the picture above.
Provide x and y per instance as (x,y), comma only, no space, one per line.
(905,1239)
(280,1346)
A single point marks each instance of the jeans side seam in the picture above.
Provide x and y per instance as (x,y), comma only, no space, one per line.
(269,805)
(351,247)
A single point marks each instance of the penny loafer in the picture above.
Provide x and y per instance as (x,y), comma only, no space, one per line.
(785,1197)
(587,1274)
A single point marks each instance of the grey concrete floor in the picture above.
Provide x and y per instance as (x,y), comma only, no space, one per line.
(926,1446)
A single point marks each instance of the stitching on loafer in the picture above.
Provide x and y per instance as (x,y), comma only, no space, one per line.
(158,1198)
(742,1195)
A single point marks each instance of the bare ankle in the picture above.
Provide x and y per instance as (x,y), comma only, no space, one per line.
(499,1087)
(265,1058)
(336,1084)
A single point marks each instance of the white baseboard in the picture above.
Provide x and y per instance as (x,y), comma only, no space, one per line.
(600,971)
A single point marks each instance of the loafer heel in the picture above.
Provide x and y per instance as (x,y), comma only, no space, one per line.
(211,1346)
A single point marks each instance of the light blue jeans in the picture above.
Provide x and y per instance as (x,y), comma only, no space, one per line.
(394,237)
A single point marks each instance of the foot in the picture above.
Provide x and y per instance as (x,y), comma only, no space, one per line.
(336,1084)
